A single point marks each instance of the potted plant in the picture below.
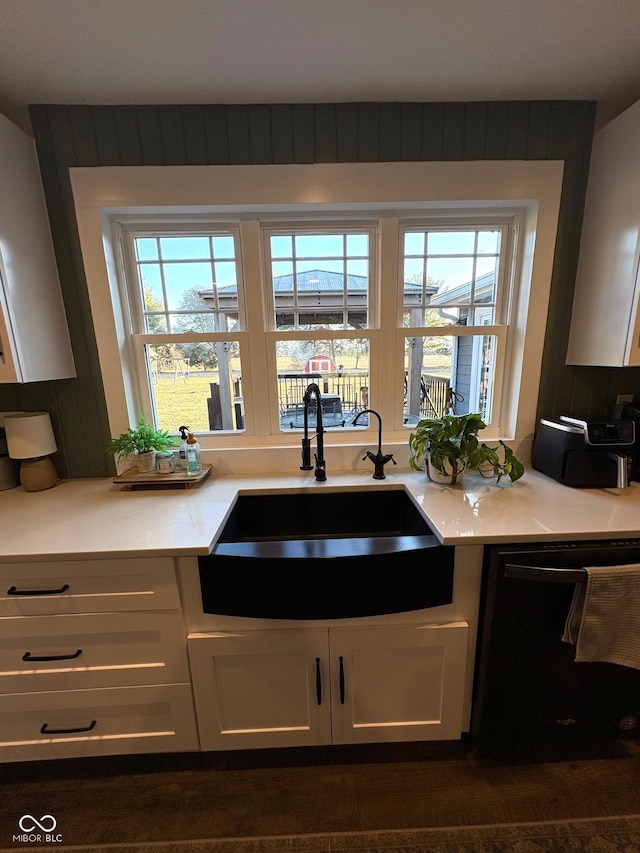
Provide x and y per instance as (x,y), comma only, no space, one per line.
(450,444)
(143,441)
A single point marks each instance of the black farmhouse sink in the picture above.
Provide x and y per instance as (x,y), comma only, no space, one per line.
(325,555)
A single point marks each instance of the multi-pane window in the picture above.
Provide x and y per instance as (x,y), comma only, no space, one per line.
(452,284)
(188,283)
(320,280)
(188,313)
(455,274)
(319,292)
(205,360)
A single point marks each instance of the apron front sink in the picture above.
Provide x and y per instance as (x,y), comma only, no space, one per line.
(325,555)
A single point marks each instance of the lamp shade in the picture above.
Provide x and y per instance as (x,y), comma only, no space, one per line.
(29,435)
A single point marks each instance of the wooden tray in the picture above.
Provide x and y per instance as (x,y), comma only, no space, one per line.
(177,480)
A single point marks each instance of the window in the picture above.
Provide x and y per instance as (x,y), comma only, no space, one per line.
(182,288)
(395,283)
(319,295)
(320,280)
(455,288)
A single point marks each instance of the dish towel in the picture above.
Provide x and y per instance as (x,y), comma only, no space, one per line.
(604,617)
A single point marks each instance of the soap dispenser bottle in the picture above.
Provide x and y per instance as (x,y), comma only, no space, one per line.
(182,450)
(193,455)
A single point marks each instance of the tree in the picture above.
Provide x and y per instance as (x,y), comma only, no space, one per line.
(194,316)
(201,318)
(156,322)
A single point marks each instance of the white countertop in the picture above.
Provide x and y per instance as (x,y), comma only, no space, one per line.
(88,518)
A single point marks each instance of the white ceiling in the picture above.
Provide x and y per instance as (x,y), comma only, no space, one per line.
(289,51)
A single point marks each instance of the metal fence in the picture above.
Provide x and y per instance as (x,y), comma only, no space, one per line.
(351,389)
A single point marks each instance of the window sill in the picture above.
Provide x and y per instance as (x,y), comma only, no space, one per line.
(339,457)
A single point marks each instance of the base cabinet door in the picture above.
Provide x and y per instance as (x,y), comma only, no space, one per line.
(399,683)
(258,689)
(261,688)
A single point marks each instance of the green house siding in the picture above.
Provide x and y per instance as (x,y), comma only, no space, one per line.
(68,136)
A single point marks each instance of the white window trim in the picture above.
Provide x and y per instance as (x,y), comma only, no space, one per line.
(388,189)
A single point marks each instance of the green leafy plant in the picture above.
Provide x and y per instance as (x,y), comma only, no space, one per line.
(143,438)
(451,444)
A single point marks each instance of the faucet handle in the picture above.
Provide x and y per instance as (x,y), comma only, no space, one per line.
(305,464)
(380,460)
(321,473)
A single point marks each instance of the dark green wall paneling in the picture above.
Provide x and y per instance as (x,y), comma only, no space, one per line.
(69,136)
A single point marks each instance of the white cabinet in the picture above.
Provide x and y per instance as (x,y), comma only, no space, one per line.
(93,659)
(398,683)
(75,723)
(258,688)
(91,650)
(54,587)
(295,687)
(605,325)
(34,338)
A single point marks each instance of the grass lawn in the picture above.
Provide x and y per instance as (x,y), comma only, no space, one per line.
(183,401)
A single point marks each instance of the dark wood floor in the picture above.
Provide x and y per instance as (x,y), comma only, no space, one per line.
(290,792)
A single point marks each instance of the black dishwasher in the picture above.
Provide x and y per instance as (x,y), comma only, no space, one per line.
(528,686)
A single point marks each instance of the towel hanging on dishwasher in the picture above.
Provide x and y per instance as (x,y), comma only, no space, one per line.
(604,617)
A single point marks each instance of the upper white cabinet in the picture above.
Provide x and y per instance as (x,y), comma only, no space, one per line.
(34,338)
(605,327)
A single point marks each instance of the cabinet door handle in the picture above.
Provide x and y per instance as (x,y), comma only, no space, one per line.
(318,682)
(13,590)
(341,680)
(73,656)
(45,730)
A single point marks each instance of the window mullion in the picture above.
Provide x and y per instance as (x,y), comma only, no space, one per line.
(257,378)
(345,284)
(387,390)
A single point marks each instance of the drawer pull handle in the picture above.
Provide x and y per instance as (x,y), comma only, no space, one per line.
(13,590)
(318,682)
(342,683)
(45,730)
(73,656)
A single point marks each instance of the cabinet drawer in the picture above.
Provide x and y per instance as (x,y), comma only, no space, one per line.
(87,586)
(97,722)
(99,650)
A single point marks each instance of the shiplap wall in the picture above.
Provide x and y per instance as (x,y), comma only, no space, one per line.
(69,136)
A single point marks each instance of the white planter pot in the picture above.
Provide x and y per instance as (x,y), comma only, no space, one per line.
(146,462)
(450,478)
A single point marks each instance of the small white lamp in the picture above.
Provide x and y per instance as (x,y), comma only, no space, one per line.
(30,438)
